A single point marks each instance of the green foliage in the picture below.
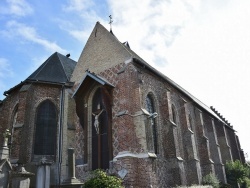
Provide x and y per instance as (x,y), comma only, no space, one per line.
(247,182)
(212,180)
(247,178)
(100,179)
(237,173)
(223,185)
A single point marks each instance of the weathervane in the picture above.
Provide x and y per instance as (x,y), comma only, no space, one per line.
(110,22)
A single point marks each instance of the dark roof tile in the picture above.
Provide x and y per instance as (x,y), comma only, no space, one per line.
(57,68)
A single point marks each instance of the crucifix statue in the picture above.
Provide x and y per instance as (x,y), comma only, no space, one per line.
(6,136)
(96,115)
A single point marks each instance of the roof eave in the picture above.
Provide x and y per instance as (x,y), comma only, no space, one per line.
(13,88)
(67,84)
(94,77)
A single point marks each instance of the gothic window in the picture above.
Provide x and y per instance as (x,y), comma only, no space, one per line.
(174,114)
(46,125)
(190,122)
(101,130)
(150,109)
(13,124)
(13,141)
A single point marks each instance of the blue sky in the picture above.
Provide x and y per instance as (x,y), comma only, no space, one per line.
(203,45)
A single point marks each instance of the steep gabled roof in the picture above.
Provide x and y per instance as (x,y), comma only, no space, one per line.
(101,51)
(57,69)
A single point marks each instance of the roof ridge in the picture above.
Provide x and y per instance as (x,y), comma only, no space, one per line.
(113,35)
(62,64)
(123,46)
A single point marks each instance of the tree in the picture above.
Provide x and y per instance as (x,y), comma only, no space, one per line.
(237,173)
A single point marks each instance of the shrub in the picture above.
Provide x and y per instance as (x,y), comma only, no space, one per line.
(100,179)
(211,179)
(237,173)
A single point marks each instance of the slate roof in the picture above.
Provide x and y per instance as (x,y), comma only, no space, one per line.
(94,77)
(56,69)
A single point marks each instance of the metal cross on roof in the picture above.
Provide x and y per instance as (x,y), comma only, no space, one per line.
(110,22)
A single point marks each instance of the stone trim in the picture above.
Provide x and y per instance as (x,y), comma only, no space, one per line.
(135,155)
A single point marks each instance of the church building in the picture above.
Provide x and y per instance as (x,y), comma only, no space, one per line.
(119,114)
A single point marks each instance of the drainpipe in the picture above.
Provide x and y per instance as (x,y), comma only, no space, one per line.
(60,134)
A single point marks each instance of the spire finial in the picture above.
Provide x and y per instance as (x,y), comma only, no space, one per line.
(110,22)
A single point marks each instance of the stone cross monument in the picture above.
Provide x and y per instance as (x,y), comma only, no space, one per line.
(4,151)
(71,181)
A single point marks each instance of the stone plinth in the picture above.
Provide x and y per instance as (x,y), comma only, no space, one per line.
(71,181)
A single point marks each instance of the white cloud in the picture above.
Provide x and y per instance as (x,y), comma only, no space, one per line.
(86,15)
(5,69)
(80,35)
(77,5)
(16,7)
(151,26)
(5,72)
(15,29)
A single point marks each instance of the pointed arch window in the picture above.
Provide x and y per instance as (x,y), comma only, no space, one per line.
(150,108)
(174,114)
(14,120)
(46,125)
(190,122)
(13,141)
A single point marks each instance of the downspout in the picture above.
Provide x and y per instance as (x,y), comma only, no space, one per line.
(60,134)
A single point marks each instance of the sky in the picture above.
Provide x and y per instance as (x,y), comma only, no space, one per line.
(203,45)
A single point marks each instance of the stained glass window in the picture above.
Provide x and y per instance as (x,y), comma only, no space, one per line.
(45,134)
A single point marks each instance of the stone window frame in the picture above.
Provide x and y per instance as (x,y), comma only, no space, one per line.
(191,123)
(174,114)
(36,157)
(154,132)
(13,124)
(176,120)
